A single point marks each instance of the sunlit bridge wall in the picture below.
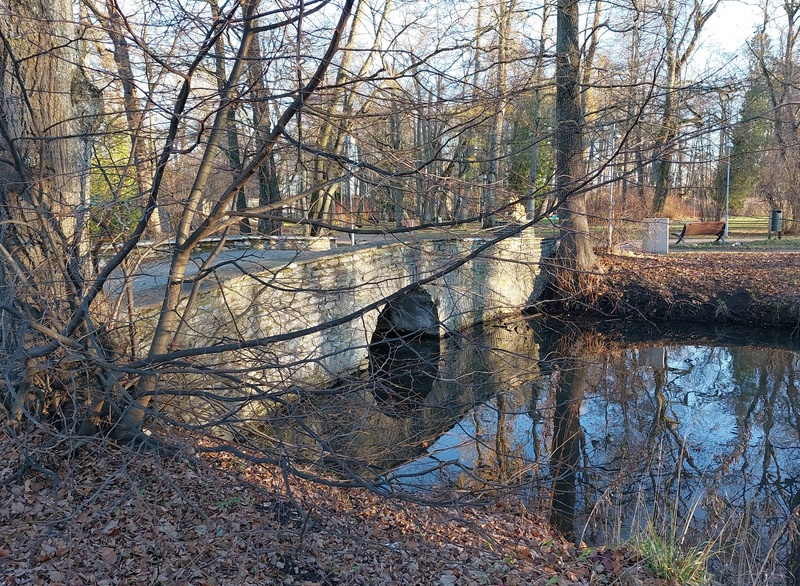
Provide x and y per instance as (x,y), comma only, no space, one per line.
(306,293)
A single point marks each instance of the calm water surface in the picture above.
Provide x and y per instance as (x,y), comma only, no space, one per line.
(604,431)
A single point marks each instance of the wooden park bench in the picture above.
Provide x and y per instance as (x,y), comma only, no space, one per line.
(702,229)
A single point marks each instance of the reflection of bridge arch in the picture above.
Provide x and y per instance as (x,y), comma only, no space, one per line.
(372,432)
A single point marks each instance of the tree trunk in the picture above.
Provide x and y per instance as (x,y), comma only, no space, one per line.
(47,113)
(496,143)
(129,424)
(268,185)
(134,115)
(233,150)
(575,257)
(532,207)
(680,46)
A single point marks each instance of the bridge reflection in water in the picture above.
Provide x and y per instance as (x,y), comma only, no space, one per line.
(606,431)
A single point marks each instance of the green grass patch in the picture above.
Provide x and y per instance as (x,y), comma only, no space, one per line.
(734,244)
(665,557)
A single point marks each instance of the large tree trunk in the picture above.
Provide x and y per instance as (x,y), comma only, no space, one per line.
(575,257)
(47,109)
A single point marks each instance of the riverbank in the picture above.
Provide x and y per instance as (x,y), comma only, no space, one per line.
(111,515)
(729,286)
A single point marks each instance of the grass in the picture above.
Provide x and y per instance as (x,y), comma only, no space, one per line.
(666,556)
(737,242)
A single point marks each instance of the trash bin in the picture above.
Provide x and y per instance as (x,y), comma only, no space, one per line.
(776,221)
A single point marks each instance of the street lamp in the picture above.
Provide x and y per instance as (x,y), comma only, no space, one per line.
(351,152)
(729,145)
(614,137)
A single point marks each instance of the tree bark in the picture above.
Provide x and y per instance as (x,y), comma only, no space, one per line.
(47,112)
(575,257)
(233,150)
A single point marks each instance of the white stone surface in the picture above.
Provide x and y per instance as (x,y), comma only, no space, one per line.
(309,316)
(656,236)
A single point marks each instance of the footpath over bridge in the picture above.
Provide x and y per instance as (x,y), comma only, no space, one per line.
(309,306)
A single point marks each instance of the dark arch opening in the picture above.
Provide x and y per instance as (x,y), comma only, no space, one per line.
(404,352)
(411,315)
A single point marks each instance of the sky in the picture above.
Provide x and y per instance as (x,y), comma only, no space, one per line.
(731,26)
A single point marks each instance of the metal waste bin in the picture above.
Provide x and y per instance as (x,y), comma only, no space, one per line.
(776,223)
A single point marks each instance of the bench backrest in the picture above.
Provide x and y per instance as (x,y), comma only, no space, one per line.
(700,228)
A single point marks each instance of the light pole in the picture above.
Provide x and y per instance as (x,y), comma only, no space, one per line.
(614,138)
(729,145)
(351,152)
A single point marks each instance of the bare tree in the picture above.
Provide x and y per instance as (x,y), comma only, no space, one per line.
(682,28)
(575,254)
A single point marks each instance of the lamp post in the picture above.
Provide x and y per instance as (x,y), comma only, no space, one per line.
(729,145)
(614,138)
(351,152)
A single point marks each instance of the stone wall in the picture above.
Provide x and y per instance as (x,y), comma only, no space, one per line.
(315,298)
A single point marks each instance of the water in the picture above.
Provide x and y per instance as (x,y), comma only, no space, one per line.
(604,430)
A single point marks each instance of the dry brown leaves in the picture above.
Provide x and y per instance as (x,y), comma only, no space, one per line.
(745,287)
(770,273)
(122,517)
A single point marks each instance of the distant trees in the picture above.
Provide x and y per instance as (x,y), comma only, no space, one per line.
(750,138)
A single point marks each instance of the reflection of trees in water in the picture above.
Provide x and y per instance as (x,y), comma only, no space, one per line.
(571,370)
(510,370)
(710,434)
(591,426)
(417,389)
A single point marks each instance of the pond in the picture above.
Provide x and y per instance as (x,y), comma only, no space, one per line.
(690,432)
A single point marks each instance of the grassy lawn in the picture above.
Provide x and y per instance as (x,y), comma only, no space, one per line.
(787,243)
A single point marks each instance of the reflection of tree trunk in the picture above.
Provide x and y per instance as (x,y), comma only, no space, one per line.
(536,419)
(501,444)
(572,365)
(660,412)
(793,560)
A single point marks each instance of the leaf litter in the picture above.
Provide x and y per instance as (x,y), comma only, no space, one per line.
(121,516)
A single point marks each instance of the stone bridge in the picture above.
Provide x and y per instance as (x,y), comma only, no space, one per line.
(317,312)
